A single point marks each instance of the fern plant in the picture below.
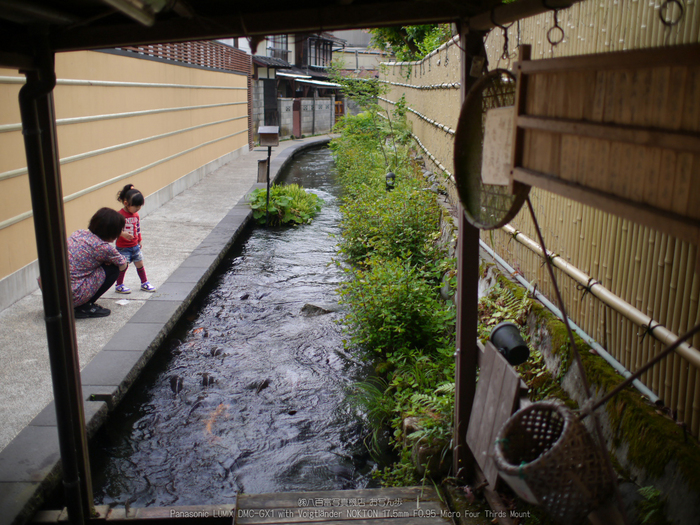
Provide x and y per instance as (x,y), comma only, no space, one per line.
(436,412)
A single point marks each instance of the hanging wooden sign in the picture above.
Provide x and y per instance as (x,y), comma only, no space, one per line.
(497,156)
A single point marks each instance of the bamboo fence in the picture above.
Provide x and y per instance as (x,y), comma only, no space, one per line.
(652,271)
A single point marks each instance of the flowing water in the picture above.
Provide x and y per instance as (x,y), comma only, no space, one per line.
(250,393)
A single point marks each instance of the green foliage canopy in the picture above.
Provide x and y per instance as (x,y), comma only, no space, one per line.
(409,43)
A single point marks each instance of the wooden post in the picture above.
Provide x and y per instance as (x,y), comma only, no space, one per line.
(472,45)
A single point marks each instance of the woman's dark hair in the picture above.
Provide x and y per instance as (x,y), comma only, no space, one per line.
(107,224)
(131,195)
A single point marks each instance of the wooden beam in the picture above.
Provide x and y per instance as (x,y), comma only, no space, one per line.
(642,136)
(467,353)
(684,55)
(506,13)
(17,61)
(661,220)
(327,18)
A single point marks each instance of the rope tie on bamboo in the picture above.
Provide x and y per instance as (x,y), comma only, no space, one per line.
(587,408)
(513,235)
(521,473)
(649,329)
(549,258)
(587,288)
(504,441)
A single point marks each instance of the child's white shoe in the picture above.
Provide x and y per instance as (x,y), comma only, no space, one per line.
(121,288)
(148,287)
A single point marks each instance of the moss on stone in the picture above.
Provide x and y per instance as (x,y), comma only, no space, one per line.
(652,439)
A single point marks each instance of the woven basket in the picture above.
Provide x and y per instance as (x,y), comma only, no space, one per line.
(548,458)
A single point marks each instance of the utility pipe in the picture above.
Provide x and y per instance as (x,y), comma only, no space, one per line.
(38,123)
(587,338)
(660,332)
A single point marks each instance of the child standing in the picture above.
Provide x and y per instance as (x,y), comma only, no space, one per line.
(129,242)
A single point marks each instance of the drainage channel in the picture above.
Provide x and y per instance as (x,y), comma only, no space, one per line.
(250,392)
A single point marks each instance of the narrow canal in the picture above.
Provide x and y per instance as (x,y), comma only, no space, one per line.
(250,393)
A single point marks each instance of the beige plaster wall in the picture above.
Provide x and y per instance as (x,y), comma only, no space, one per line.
(120,146)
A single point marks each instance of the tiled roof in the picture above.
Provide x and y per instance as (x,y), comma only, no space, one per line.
(261,60)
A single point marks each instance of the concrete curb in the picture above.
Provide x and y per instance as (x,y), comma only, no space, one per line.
(30,466)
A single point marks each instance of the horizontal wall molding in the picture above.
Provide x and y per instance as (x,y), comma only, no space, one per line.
(112,83)
(110,116)
(73,196)
(67,160)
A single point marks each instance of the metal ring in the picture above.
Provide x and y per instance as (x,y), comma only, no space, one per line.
(561,39)
(664,6)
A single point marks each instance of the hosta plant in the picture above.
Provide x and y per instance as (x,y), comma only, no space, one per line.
(289,204)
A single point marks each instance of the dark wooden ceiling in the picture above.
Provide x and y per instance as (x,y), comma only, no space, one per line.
(93,24)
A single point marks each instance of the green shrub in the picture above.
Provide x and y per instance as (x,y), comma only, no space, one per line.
(396,270)
(289,204)
(394,309)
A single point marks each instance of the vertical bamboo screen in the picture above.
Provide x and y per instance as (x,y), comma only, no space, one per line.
(652,271)
(431,89)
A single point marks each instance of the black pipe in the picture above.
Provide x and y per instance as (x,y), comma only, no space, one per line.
(267,202)
(41,148)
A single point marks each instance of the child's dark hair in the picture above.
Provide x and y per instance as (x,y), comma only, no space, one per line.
(131,195)
(107,224)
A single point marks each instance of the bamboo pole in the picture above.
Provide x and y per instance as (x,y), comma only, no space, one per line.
(609,267)
(684,404)
(691,412)
(569,251)
(680,259)
(661,333)
(695,422)
(600,264)
(655,28)
(646,244)
(618,283)
(588,240)
(659,249)
(625,289)
(636,23)
(664,314)
(614,30)
(633,288)
(695,30)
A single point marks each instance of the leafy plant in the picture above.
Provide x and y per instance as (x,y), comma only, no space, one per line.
(393,309)
(289,204)
(652,508)
(410,43)
(436,411)
(390,239)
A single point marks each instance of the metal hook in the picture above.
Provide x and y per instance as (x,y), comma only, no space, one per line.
(551,34)
(665,6)
(504,55)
